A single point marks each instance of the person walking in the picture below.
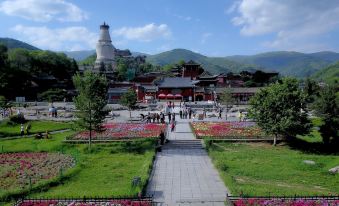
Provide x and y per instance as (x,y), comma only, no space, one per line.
(180,113)
(162,138)
(162,118)
(172,126)
(149,117)
(169,117)
(220,111)
(22,130)
(158,117)
(190,113)
(173,116)
(154,117)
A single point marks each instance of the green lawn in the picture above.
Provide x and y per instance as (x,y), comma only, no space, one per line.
(36,126)
(314,135)
(106,171)
(261,169)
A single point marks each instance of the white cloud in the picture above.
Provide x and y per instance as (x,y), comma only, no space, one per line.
(186,18)
(205,36)
(63,39)
(295,23)
(43,10)
(145,33)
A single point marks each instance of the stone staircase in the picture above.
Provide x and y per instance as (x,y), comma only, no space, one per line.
(184,144)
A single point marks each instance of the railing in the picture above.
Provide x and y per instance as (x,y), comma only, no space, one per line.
(290,197)
(147,201)
(231,200)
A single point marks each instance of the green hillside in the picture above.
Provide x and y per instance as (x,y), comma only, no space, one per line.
(214,65)
(329,74)
(79,55)
(289,63)
(88,60)
(13,44)
(286,63)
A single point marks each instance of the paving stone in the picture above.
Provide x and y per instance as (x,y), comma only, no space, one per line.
(184,173)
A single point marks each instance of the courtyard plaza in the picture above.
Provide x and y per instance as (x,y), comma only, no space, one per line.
(66,112)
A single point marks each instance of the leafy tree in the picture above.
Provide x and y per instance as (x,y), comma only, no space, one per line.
(181,62)
(226,99)
(327,107)
(280,109)
(167,67)
(129,99)
(311,90)
(3,67)
(52,95)
(4,103)
(20,58)
(122,70)
(146,67)
(91,100)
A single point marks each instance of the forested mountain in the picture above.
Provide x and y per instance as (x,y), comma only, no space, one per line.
(212,64)
(290,63)
(79,55)
(13,43)
(286,63)
(329,74)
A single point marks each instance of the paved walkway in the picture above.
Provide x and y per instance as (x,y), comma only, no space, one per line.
(185,175)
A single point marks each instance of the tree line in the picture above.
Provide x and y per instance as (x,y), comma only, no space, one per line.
(28,73)
(284,109)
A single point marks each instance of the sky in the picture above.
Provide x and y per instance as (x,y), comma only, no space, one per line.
(210,27)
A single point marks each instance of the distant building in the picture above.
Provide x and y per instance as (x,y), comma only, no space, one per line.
(107,56)
(189,82)
(191,69)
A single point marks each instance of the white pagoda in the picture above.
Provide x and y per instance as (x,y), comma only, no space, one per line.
(105,52)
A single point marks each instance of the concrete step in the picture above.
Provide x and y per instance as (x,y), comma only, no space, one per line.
(183,144)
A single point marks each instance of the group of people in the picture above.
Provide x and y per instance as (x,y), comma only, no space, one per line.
(159,118)
(186,112)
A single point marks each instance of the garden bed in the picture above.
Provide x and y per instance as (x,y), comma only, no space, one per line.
(24,171)
(120,132)
(228,131)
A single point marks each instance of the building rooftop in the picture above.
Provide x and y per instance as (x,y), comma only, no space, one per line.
(239,89)
(176,82)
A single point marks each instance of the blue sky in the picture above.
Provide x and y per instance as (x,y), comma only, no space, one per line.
(213,28)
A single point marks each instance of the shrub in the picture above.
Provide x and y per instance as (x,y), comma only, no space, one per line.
(53,95)
(17,119)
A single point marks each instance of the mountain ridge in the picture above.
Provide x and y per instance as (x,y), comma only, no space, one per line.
(287,63)
(14,43)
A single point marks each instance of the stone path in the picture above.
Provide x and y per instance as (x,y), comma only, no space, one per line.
(183,174)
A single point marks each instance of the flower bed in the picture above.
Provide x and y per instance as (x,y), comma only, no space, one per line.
(123,131)
(227,130)
(88,203)
(24,170)
(285,202)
